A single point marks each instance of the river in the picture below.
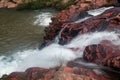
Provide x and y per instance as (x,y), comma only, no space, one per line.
(20,30)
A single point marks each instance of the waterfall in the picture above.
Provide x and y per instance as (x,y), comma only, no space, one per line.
(94,12)
(54,54)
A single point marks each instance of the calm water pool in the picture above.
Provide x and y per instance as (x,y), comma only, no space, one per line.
(20,30)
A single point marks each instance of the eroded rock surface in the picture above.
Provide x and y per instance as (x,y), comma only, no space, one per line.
(9,3)
(66,19)
(105,54)
(62,73)
(31,74)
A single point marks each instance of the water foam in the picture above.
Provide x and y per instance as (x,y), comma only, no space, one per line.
(43,19)
(99,11)
(81,20)
(52,55)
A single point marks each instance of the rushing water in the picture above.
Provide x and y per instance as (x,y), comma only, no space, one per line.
(54,54)
(22,30)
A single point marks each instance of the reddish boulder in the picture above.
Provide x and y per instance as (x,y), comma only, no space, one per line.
(80,73)
(62,73)
(109,21)
(67,73)
(9,3)
(73,13)
(31,74)
(105,54)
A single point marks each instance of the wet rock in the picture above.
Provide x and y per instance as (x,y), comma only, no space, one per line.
(105,54)
(73,13)
(108,21)
(9,3)
(67,73)
(31,74)
(76,72)
(81,73)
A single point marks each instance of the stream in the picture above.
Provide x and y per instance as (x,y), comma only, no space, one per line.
(22,32)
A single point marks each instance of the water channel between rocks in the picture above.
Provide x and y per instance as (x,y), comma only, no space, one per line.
(22,32)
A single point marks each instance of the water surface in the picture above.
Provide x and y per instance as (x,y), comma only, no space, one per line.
(18,30)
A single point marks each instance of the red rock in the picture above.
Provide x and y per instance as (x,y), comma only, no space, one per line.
(32,74)
(62,73)
(109,21)
(80,73)
(11,5)
(73,13)
(105,54)
(70,76)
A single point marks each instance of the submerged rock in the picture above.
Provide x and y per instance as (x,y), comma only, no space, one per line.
(68,73)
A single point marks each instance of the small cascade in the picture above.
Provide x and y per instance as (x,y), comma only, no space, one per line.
(59,35)
(94,12)
(54,54)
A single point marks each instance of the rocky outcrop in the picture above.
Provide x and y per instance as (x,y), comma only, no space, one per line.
(109,21)
(62,73)
(106,21)
(35,73)
(67,17)
(9,3)
(105,54)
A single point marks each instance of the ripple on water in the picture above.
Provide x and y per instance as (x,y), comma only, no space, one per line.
(17,31)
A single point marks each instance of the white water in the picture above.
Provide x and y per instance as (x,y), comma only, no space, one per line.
(43,19)
(94,12)
(81,20)
(53,55)
(99,11)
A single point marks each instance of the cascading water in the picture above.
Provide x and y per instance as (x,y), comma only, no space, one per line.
(54,54)
(91,13)
(99,11)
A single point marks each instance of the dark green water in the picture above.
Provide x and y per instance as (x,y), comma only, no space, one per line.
(17,31)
